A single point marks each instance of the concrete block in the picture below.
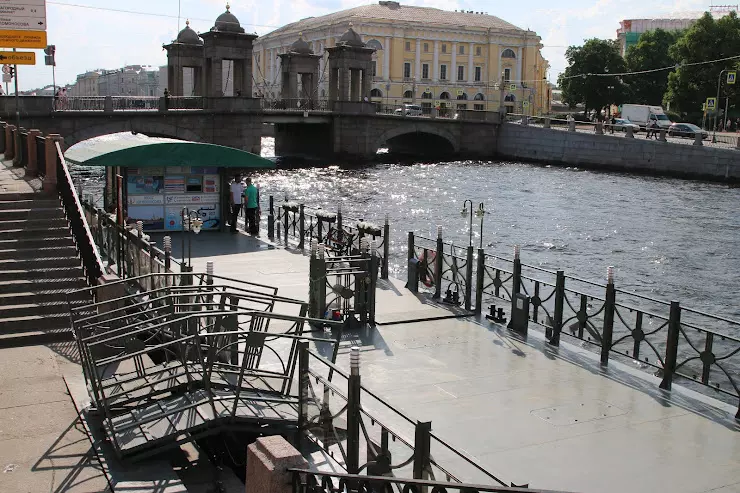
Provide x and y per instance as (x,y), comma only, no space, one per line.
(268,461)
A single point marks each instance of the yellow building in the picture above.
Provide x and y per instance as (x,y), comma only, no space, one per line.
(423,55)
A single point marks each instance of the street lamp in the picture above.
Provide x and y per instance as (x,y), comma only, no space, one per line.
(479,214)
(465,212)
(716,106)
(191,221)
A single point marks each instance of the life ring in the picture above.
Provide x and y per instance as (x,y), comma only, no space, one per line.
(426,258)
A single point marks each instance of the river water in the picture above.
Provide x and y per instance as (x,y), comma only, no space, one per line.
(666,238)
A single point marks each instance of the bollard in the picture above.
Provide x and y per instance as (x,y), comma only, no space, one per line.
(422,450)
(553,334)
(609,307)
(671,347)
(480,271)
(301,227)
(271,219)
(662,135)
(167,243)
(469,279)
(546,124)
(438,264)
(572,126)
(386,248)
(52,162)
(599,128)
(31,151)
(629,133)
(353,412)
(699,141)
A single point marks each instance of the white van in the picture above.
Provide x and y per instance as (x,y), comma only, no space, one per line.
(644,115)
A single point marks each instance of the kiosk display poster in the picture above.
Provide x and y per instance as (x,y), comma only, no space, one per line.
(149,185)
(151,215)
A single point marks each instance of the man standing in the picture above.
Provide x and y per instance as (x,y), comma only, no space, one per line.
(252,204)
(237,189)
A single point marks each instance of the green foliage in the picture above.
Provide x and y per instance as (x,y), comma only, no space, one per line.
(596,56)
(707,39)
(651,51)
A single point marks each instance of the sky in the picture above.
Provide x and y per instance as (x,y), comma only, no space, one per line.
(88,37)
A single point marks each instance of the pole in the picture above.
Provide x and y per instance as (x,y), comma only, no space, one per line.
(724,117)
(17,100)
(716,102)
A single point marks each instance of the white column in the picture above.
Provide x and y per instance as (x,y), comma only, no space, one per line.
(387,59)
(436,61)
(417,65)
(453,70)
(471,70)
(519,65)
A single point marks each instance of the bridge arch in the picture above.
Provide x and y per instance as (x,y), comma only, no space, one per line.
(152,128)
(436,139)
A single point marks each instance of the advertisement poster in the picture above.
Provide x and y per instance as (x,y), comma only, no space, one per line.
(209,214)
(174,184)
(145,199)
(210,184)
(173,218)
(151,216)
(152,171)
(149,185)
(191,199)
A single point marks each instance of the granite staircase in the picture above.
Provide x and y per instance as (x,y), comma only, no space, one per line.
(39,266)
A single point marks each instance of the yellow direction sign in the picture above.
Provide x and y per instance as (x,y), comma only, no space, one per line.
(512,87)
(18,57)
(711,104)
(22,39)
(525,104)
(731,76)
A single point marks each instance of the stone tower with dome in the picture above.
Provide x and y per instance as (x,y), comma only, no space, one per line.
(185,60)
(300,62)
(350,68)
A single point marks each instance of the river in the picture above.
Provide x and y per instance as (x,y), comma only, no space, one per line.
(666,238)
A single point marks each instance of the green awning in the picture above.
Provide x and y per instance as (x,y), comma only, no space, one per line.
(141,152)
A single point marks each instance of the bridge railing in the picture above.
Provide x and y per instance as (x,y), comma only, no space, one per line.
(299,104)
(677,342)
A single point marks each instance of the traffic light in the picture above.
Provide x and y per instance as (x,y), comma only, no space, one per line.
(49,51)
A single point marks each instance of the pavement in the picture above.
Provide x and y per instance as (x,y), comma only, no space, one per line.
(529,413)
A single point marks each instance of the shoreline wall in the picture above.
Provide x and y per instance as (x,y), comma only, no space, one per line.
(604,152)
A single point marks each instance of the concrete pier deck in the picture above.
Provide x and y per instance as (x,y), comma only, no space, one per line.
(528,413)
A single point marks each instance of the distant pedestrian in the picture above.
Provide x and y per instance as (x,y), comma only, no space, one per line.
(613,122)
(237,190)
(63,98)
(251,196)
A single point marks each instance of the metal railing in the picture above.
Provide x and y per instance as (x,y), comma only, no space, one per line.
(296,223)
(661,336)
(81,234)
(298,104)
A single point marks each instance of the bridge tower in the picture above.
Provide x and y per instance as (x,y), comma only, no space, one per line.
(228,58)
(185,55)
(350,68)
(300,61)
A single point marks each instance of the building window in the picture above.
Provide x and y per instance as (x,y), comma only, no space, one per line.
(507,74)
(426,47)
(508,53)
(477,74)
(479,97)
(478,51)
(443,72)
(408,45)
(479,107)
(460,72)
(462,96)
(376,93)
(425,71)
(462,106)
(462,49)
(407,70)
(375,68)
(426,95)
(444,48)
(408,95)
(444,95)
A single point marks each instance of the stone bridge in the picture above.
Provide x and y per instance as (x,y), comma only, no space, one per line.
(351,130)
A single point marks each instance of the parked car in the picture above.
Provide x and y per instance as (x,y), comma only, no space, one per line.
(409,110)
(686,130)
(621,125)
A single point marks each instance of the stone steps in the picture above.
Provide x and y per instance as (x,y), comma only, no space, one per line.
(14,253)
(33,232)
(39,242)
(31,213)
(32,274)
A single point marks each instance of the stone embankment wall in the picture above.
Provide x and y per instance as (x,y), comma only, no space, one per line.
(638,155)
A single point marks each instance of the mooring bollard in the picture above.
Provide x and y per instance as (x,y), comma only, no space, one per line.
(438,264)
(353,412)
(662,135)
(629,133)
(599,128)
(386,248)
(271,219)
(546,124)
(671,349)
(609,307)
(572,126)
(699,139)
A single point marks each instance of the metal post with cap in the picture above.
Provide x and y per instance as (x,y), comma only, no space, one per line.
(353,412)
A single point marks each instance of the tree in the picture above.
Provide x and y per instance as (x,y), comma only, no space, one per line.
(708,39)
(650,52)
(579,83)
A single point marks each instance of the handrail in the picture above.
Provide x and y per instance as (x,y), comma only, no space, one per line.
(91,261)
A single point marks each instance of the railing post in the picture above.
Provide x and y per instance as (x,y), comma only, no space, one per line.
(353,412)
(303,390)
(9,152)
(33,159)
(480,272)
(373,282)
(516,277)
(52,163)
(422,449)
(301,227)
(553,334)
(469,279)
(386,248)
(271,219)
(167,242)
(438,264)
(285,226)
(671,347)
(317,280)
(609,307)
(340,226)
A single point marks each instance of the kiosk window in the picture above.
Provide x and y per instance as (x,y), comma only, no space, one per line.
(194,184)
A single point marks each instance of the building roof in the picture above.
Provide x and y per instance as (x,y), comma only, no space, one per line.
(228,23)
(395,12)
(144,152)
(188,36)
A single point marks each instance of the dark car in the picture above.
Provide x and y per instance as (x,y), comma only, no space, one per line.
(686,130)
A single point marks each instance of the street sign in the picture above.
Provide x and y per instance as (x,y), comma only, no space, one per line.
(711,104)
(459,92)
(25,15)
(512,87)
(525,104)
(6,69)
(7,78)
(731,76)
(22,39)
(18,57)
(428,89)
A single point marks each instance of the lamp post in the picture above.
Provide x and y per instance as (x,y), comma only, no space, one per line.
(479,214)
(716,106)
(191,221)
(463,213)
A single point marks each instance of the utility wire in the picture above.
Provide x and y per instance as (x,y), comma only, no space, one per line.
(640,72)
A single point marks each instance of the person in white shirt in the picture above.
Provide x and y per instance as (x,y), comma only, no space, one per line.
(237,190)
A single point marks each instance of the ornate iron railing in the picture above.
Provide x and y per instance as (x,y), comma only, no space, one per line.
(297,104)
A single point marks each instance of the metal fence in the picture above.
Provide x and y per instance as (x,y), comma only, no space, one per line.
(673,341)
(298,104)
(295,223)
